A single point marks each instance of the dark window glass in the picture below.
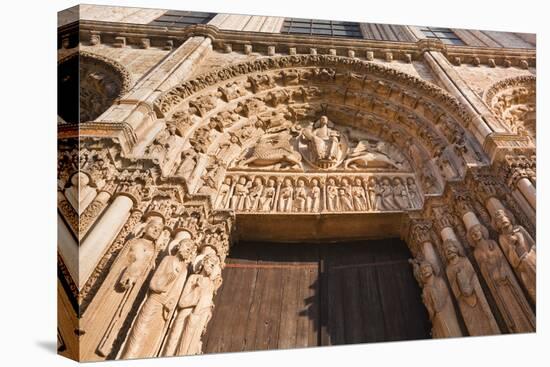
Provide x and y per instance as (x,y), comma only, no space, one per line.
(321,27)
(446,35)
(177,18)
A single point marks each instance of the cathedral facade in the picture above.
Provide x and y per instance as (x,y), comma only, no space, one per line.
(231,182)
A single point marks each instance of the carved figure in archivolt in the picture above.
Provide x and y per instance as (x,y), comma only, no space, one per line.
(224,194)
(519,248)
(274,151)
(365,155)
(437,299)
(164,289)
(501,280)
(195,306)
(467,290)
(322,145)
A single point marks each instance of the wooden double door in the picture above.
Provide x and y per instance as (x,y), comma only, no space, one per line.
(277,296)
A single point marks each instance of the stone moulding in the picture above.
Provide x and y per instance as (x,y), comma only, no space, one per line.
(173,97)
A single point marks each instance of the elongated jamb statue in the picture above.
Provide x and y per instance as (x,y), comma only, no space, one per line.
(519,247)
(140,252)
(437,299)
(465,285)
(138,258)
(164,288)
(195,306)
(501,281)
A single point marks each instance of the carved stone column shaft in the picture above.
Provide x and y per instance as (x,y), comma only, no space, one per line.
(104,232)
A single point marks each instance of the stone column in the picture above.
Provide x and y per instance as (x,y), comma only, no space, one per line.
(435,292)
(92,212)
(96,243)
(135,109)
(110,307)
(67,247)
(528,190)
(463,280)
(500,278)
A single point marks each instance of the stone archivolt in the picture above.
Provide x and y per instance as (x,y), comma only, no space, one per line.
(100,82)
(513,100)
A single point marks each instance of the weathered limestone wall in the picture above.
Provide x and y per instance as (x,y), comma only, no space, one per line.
(480,78)
(137,61)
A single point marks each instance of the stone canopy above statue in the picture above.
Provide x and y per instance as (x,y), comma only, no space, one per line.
(320,145)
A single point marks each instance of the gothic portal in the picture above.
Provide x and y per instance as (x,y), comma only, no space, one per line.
(229,183)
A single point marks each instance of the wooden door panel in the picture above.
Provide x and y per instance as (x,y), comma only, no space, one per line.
(278,296)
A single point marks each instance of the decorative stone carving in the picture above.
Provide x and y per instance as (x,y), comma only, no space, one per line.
(437,300)
(305,193)
(273,151)
(501,281)
(195,306)
(513,100)
(363,155)
(465,286)
(322,145)
(136,261)
(519,248)
(164,287)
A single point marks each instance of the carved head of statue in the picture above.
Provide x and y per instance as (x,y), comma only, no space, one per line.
(270,182)
(227,181)
(451,249)
(323,121)
(288,183)
(503,222)
(301,182)
(211,265)
(397,181)
(410,181)
(426,271)
(358,181)
(386,181)
(257,181)
(153,228)
(242,180)
(331,181)
(186,248)
(315,182)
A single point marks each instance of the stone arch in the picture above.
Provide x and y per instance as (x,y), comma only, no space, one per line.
(513,100)
(88,84)
(217,116)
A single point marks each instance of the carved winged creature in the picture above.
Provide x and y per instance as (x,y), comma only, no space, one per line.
(274,151)
(364,155)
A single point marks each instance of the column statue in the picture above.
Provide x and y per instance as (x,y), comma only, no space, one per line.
(467,290)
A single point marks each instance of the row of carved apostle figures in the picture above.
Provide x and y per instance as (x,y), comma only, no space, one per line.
(313,194)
